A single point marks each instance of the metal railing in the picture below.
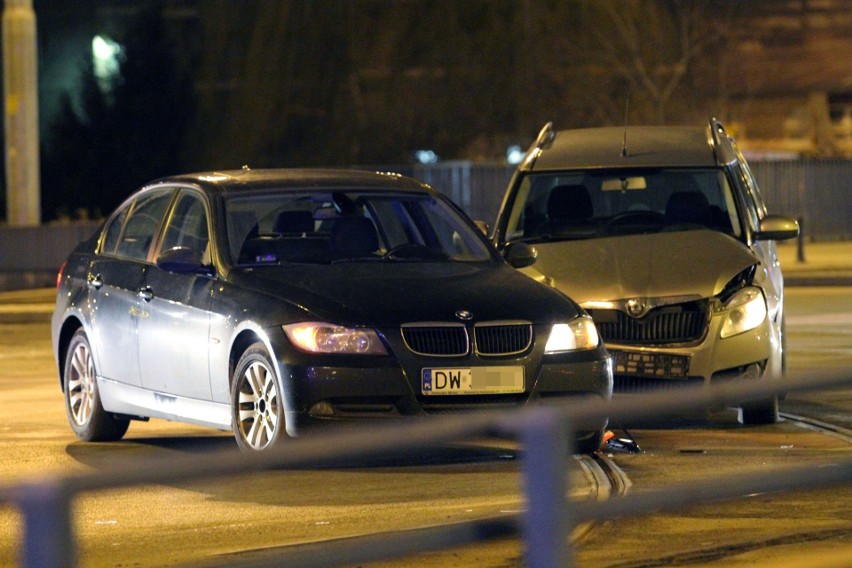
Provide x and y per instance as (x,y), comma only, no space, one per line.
(544,431)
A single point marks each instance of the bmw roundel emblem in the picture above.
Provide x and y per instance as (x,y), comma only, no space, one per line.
(464,315)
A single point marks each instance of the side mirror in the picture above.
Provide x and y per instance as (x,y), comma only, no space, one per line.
(777,228)
(520,255)
(183,260)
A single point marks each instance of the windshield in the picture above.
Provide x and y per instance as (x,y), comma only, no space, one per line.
(580,205)
(349,226)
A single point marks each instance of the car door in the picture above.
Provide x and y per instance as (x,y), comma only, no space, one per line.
(115,279)
(174,334)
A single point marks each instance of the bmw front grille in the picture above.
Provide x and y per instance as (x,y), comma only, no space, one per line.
(454,340)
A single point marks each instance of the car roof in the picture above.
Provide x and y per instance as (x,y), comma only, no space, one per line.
(646,146)
(247,180)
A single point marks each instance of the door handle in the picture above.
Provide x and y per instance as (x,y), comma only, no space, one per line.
(146,293)
(96,281)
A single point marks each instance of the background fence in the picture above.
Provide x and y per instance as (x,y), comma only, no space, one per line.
(819,192)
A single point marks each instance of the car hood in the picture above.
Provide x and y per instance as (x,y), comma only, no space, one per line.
(392,293)
(685,263)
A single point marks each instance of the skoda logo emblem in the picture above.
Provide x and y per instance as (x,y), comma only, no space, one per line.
(464,315)
(636,308)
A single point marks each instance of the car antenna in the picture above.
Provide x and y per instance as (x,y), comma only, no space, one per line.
(624,141)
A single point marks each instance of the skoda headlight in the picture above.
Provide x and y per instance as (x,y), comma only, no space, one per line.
(573,336)
(315,337)
(745,311)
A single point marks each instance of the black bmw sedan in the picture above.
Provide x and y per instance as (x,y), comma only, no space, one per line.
(266,301)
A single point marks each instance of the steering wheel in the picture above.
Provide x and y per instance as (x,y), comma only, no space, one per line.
(413,250)
(636,218)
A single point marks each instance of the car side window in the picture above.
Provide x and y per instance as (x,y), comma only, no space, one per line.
(754,195)
(751,212)
(113,231)
(141,225)
(188,226)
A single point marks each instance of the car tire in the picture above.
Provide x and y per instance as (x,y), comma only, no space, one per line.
(760,412)
(86,414)
(589,445)
(257,404)
(783,395)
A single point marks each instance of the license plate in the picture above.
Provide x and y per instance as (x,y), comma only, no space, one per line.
(472,380)
(659,365)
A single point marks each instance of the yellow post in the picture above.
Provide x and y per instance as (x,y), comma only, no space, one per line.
(20,90)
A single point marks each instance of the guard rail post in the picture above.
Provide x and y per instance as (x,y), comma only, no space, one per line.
(48,539)
(547,525)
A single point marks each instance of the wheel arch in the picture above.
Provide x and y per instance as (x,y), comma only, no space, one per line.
(66,332)
(245,339)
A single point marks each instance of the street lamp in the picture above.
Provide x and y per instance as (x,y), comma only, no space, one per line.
(20,96)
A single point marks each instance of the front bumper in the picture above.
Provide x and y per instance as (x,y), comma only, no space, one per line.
(375,388)
(753,354)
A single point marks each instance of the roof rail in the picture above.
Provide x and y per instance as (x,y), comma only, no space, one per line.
(545,137)
(721,142)
(543,140)
(717,130)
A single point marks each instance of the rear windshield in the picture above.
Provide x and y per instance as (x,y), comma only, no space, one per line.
(579,205)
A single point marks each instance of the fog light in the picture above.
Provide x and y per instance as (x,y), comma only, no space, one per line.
(753,372)
(322,409)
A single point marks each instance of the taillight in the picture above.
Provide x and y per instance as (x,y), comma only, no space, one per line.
(59,275)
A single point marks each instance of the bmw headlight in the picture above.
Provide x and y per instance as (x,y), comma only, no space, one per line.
(316,337)
(745,311)
(575,335)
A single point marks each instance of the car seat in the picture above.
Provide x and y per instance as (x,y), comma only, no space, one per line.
(353,237)
(297,222)
(686,208)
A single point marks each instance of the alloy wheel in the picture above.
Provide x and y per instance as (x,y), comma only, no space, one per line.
(258,409)
(81,385)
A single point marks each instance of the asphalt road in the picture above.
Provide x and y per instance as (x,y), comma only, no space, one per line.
(171,523)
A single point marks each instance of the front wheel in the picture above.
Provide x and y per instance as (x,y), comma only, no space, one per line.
(86,415)
(759,412)
(591,444)
(256,402)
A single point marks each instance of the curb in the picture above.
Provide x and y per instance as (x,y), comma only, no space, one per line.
(26,313)
(818,279)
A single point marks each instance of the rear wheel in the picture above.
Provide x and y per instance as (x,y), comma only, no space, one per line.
(86,415)
(256,402)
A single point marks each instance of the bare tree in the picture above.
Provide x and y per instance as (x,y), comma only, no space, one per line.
(271,77)
(654,48)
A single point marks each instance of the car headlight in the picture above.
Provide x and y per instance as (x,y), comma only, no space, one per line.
(573,336)
(745,311)
(315,337)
